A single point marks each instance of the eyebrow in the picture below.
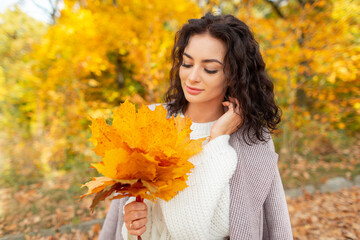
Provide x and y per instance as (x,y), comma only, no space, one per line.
(205,60)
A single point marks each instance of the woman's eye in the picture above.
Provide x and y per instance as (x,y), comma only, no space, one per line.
(211,72)
(206,70)
(185,65)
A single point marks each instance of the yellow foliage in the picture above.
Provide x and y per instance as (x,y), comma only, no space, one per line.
(311,50)
(95,56)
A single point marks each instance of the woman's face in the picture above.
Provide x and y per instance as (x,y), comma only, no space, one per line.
(201,73)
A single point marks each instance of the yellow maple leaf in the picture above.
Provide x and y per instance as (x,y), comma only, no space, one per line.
(143,152)
(97,184)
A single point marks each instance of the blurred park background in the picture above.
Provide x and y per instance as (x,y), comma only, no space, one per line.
(85,57)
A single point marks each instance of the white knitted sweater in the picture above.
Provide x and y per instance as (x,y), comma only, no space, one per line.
(201,211)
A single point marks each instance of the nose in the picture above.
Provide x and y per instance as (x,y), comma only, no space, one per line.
(194,75)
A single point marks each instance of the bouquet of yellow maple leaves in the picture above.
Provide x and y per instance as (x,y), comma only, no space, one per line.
(144,154)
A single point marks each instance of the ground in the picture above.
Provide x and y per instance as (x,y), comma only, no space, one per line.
(317,216)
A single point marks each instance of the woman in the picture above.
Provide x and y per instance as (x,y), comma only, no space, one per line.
(218,79)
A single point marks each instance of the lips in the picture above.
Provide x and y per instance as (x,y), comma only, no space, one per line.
(193,91)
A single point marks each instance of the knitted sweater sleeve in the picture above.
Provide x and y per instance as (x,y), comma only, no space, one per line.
(189,214)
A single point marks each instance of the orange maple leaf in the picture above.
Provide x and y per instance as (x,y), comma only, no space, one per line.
(143,152)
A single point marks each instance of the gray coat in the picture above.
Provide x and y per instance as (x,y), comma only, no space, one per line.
(258,208)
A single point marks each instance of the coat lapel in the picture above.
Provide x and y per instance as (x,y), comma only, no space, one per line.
(250,185)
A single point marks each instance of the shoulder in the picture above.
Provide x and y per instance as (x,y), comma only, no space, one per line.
(259,157)
(242,139)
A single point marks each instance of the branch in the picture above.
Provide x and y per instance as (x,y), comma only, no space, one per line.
(119,75)
(55,8)
(276,8)
(41,7)
(302,3)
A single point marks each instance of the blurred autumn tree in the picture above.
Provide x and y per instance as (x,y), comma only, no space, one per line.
(18,34)
(312,52)
(97,53)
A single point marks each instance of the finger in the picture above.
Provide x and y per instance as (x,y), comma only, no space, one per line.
(229,105)
(134,215)
(135,206)
(137,224)
(226,104)
(137,232)
(128,225)
(236,101)
(232,99)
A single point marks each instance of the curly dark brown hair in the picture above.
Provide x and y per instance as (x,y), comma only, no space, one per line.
(249,83)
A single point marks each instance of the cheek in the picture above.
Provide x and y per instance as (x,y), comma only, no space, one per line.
(220,84)
(182,80)
(182,73)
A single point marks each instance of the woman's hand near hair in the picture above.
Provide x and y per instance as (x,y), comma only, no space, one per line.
(230,121)
(135,217)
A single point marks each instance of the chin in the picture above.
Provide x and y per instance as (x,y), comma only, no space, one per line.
(197,101)
(192,99)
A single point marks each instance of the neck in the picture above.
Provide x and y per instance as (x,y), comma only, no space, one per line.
(201,112)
